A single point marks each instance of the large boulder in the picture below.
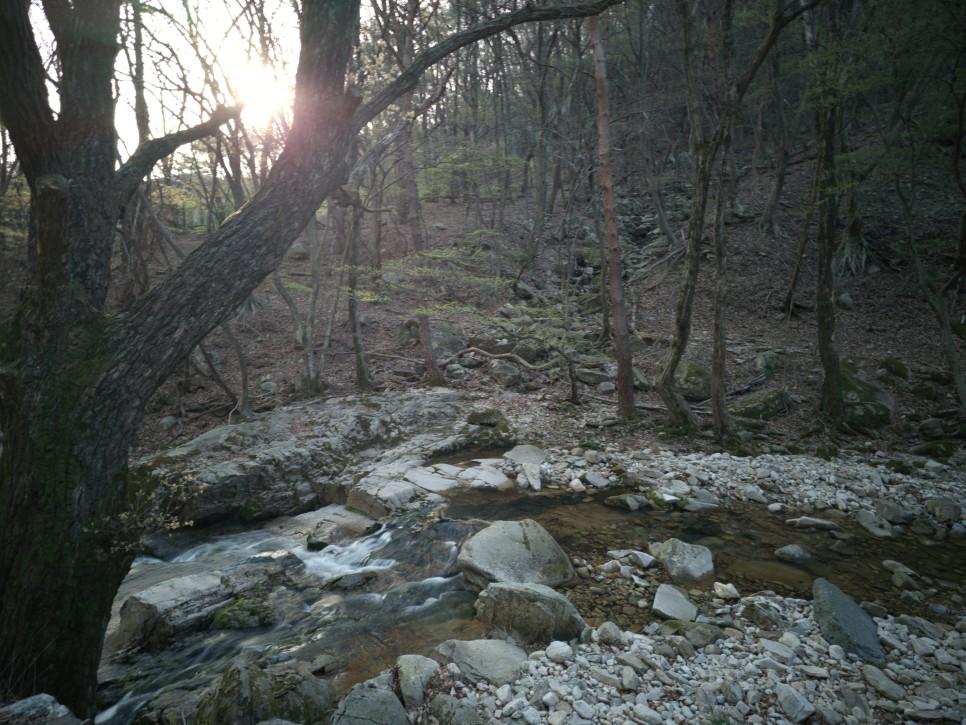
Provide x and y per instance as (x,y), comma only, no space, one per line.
(151,617)
(764,405)
(506,373)
(685,563)
(293,460)
(845,623)
(867,404)
(413,673)
(40,709)
(532,613)
(246,693)
(514,551)
(370,706)
(493,660)
(693,381)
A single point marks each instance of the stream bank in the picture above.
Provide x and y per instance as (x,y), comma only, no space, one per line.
(254,602)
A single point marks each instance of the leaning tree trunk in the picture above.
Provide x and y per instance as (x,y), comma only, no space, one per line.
(74,382)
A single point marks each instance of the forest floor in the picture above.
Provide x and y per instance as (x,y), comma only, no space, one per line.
(888,319)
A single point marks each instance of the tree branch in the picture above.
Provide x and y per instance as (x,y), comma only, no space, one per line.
(150,152)
(780,18)
(409,78)
(24,108)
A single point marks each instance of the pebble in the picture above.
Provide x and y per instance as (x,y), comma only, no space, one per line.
(771,663)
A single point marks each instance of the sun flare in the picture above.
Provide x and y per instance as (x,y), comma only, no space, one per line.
(265,95)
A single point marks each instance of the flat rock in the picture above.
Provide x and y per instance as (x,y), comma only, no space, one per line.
(369,706)
(671,603)
(845,623)
(793,703)
(874,524)
(449,710)
(37,709)
(880,682)
(810,522)
(526,454)
(496,661)
(337,525)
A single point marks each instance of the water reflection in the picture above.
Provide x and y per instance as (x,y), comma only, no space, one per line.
(743,539)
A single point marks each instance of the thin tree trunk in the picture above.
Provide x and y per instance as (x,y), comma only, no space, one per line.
(358,348)
(832,405)
(618,308)
(768,224)
(933,294)
(789,303)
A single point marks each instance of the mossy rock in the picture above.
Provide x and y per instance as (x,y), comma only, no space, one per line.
(827,452)
(942,448)
(755,424)
(764,405)
(624,501)
(247,694)
(769,362)
(896,368)
(867,404)
(488,418)
(745,450)
(693,381)
(641,381)
(925,390)
(900,466)
(245,614)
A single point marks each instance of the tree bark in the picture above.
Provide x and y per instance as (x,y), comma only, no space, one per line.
(618,308)
(832,405)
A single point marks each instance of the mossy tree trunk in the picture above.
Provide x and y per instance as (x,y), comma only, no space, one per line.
(74,381)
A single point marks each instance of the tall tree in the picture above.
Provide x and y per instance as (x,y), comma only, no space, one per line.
(74,381)
(707,146)
(615,282)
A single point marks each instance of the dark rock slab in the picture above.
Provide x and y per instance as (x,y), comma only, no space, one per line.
(370,706)
(845,623)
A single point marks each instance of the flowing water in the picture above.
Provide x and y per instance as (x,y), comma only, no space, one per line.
(397,591)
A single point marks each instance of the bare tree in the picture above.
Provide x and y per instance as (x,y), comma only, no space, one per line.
(615,282)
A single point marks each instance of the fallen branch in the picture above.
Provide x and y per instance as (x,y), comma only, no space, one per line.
(498,356)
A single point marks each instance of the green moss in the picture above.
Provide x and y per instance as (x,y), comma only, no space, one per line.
(764,405)
(827,452)
(941,448)
(244,614)
(900,466)
(925,390)
(896,367)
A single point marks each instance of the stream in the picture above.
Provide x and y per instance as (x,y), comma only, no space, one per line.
(357,607)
